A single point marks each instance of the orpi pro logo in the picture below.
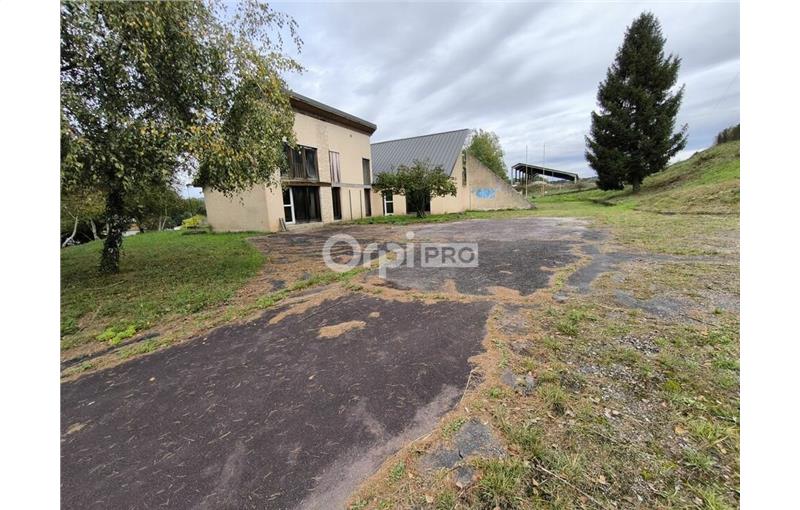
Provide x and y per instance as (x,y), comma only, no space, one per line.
(342,253)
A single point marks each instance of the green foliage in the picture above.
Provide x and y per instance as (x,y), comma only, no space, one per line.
(397,472)
(150,90)
(501,482)
(195,221)
(418,183)
(164,274)
(114,336)
(730,134)
(485,146)
(632,135)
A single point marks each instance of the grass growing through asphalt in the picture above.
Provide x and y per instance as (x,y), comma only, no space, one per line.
(163,274)
(630,410)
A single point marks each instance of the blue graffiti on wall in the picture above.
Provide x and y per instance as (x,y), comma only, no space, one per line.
(485,193)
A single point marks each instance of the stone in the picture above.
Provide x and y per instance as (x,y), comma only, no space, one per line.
(463,476)
(529,384)
(508,378)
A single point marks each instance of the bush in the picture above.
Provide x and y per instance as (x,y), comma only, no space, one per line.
(728,134)
(196,221)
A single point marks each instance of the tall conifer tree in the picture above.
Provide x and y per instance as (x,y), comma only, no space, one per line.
(632,135)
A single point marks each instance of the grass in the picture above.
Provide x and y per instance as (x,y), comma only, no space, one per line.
(629,410)
(162,275)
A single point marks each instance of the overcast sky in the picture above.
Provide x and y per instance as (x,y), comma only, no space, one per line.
(527,71)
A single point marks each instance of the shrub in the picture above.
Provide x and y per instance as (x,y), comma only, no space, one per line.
(196,221)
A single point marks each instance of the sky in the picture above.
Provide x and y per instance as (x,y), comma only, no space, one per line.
(527,71)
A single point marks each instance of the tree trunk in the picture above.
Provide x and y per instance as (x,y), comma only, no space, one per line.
(74,231)
(94,229)
(115,214)
(637,185)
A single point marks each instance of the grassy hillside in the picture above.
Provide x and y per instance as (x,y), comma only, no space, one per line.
(706,183)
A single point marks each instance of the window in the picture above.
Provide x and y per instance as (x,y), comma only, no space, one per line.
(301,204)
(367,203)
(337,203)
(367,173)
(388,203)
(336,173)
(305,200)
(302,163)
(288,206)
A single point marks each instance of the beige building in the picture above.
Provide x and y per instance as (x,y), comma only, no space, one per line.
(477,187)
(330,174)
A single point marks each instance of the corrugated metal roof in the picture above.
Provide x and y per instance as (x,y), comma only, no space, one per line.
(439,149)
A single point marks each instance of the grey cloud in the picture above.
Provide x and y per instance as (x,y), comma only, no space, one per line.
(528,71)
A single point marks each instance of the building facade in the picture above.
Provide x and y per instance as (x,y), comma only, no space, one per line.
(328,178)
(477,187)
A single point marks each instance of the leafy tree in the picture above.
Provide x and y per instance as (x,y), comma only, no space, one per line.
(157,208)
(153,89)
(485,146)
(79,206)
(632,134)
(418,183)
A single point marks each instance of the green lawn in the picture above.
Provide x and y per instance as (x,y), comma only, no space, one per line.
(162,274)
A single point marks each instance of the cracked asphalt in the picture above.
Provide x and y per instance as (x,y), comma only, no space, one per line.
(298,407)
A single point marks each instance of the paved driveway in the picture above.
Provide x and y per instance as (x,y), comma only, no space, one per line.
(298,407)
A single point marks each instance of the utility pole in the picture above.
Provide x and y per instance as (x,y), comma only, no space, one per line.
(526,170)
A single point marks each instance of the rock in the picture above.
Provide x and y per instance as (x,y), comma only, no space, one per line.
(529,384)
(463,476)
(508,378)
(473,439)
(476,438)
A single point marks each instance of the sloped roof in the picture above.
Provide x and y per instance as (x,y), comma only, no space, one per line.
(439,149)
(325,112)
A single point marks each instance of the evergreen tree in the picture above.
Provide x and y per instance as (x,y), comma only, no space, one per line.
(632,134)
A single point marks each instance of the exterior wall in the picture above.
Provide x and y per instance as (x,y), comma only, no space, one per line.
(377,204)
(457,203)
(261,207)
(488,192)
(244,212)
(484,191)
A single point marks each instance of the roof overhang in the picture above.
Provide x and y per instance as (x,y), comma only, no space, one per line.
(547,172)
(314,108)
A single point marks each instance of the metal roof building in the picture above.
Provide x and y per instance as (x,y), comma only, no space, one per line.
(521,169)
(438,149)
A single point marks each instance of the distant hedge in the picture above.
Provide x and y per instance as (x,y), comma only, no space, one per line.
(728,134)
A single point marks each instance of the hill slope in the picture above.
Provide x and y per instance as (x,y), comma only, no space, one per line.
(706,183)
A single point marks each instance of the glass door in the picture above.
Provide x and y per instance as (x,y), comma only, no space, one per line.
(288,206)
(388,204)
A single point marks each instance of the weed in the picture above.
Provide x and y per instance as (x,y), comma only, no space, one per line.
(500,484)
(397,472)
(451,428)
(445,500)
(114,336)
(697,460)
(554,397)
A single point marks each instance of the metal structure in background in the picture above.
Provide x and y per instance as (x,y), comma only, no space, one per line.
(523,172)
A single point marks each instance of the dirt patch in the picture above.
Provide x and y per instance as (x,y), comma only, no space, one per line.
(340,329)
